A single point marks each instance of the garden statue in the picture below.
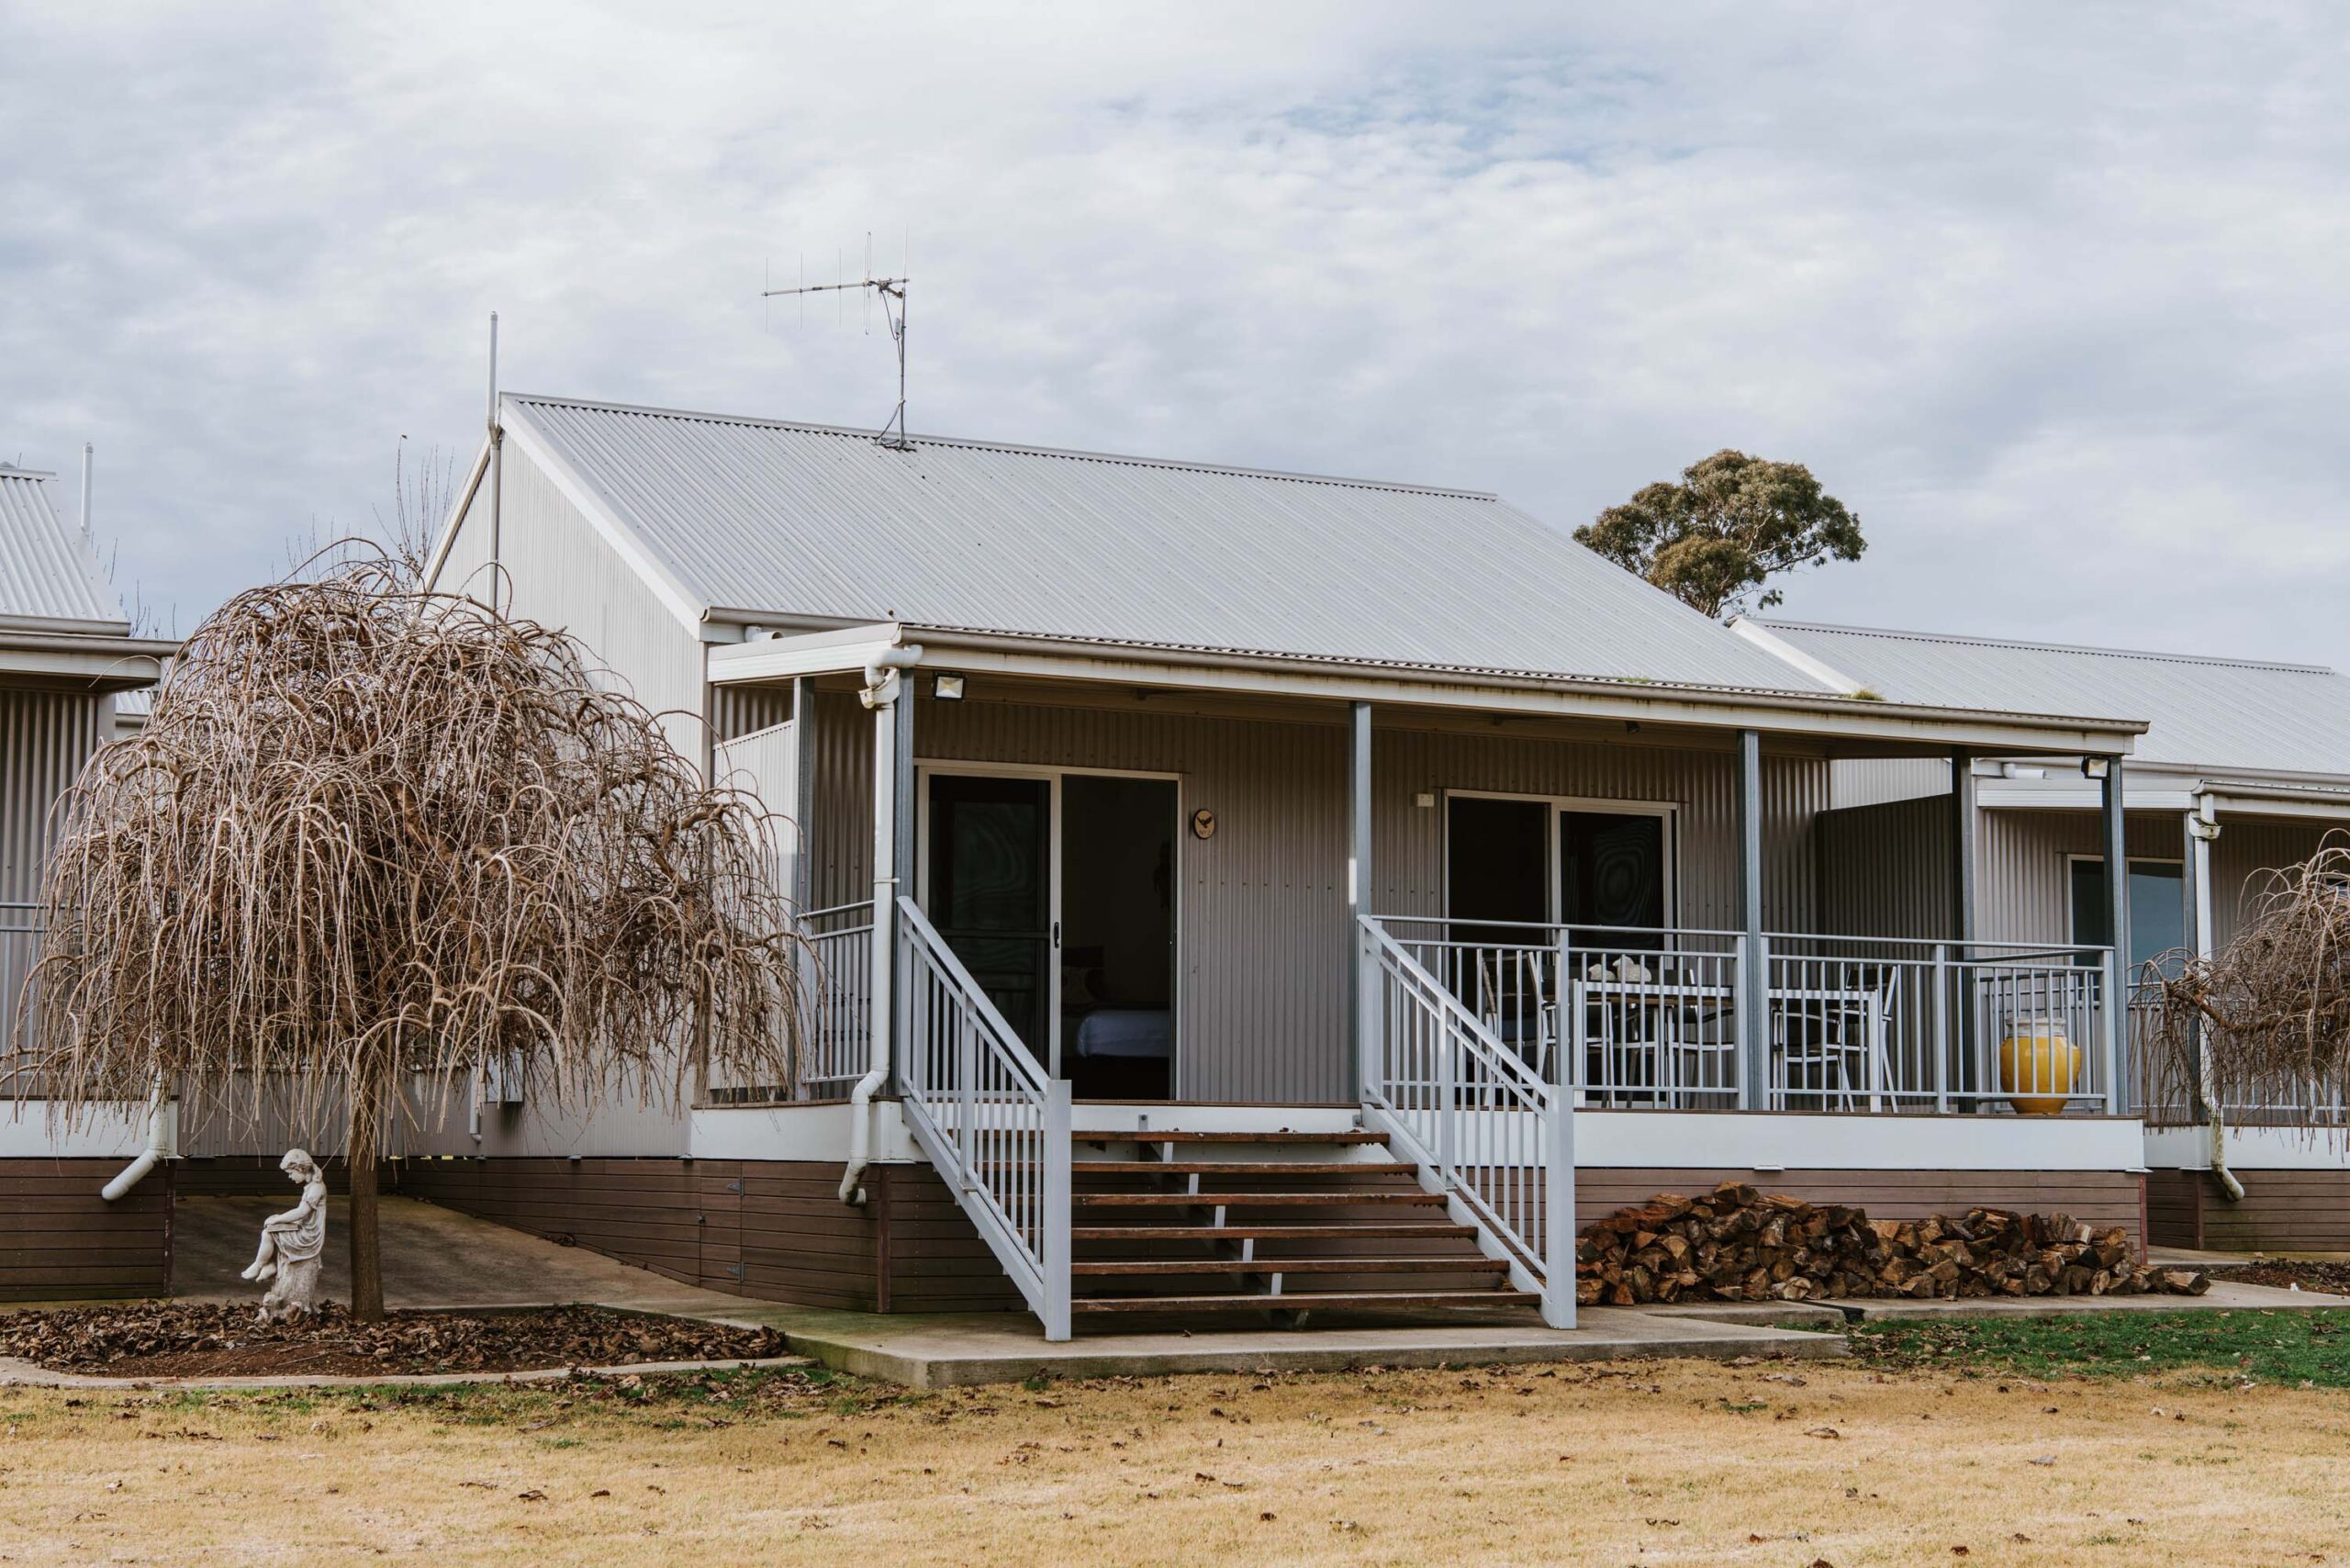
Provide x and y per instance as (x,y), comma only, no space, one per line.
(292,1244)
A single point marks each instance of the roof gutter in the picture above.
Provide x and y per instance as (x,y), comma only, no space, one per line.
(1446,686)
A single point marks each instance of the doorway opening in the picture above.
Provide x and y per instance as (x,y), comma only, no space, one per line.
(1057,890)
(1117,956)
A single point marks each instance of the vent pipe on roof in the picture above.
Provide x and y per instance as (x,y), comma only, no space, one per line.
(86,455)
(496,465)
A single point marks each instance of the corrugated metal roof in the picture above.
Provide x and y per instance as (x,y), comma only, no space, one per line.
(48,570)
(2233,714)
(795,520)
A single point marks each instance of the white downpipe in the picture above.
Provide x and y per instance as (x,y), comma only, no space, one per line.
(2202,827)
(162,1131)
(883,689)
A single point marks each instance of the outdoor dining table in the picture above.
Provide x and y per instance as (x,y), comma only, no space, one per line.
(1698,1003)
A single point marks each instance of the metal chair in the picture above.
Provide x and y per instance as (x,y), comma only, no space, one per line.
(1814,1037)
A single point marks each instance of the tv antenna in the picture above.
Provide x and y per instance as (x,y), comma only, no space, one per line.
(892,291)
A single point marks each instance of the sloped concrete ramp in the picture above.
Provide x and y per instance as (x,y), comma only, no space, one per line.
(432,1258)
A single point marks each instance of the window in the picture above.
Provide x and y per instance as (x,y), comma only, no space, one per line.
(2157,907)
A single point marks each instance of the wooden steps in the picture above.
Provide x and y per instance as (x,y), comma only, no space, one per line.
(1324,1197)
(1148,1266)
(1357,1231)
(1360,1225)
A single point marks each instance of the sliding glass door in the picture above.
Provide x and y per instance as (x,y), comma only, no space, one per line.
(990,891)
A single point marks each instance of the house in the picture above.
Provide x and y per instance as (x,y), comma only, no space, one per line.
(67,657)
(1228,887)
(2244,768)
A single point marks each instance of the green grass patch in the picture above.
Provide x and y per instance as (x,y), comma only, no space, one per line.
(664,1401)
(2290,1348)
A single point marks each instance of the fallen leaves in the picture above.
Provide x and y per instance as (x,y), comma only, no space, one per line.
(176,1338)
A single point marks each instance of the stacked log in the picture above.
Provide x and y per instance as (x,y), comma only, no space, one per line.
(1739,1244)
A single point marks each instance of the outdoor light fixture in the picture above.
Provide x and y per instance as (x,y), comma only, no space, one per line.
(947,688)
(2095,766)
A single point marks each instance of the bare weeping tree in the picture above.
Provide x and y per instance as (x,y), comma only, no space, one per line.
(2271,1011)
(376,843)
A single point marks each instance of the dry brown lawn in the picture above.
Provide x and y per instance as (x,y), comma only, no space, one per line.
(1648,1462)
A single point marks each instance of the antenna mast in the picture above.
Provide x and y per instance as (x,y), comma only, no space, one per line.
(892,293)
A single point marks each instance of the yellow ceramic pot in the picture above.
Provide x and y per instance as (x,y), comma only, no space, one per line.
(2037,1066)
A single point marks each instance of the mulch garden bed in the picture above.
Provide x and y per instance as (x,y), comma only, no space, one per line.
(202,1340)
(2285,1272)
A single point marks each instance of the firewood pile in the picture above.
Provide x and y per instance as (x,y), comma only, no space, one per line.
(1738,1244)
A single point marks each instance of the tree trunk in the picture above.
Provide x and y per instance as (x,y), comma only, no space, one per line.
(367,1251)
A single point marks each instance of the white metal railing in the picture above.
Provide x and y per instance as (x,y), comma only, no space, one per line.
(837,1000)
(2169,1096)
(1484,1128)
(1639,1017)
(1897,1024)
(987,1114)
(835,973)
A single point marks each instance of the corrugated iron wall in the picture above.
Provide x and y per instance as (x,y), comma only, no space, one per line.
(45,737)
(2247,850)
(560,572)
(1884,868)
(1262,995)
(1871,780)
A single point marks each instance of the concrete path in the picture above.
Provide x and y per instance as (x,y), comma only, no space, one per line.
(2225,1295)
(947,1351)
(432,1257)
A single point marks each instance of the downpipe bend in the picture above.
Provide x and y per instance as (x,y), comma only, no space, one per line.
(161,1137)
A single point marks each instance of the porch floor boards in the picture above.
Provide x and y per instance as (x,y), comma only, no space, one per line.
(1239,1168)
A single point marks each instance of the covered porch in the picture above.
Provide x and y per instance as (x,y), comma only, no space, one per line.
(1643,909)
(1322,855)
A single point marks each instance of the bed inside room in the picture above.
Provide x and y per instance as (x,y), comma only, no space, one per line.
(1118,952)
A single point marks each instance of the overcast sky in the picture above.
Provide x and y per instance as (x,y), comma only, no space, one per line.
(2055,300)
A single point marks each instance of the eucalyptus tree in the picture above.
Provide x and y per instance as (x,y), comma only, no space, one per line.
(1727,526)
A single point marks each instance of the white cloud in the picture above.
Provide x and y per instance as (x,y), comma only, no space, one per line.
(2050,298)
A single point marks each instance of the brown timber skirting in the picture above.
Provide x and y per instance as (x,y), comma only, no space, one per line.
(773,1229)
(2102,1198)
(60,1241)
(2281,1211)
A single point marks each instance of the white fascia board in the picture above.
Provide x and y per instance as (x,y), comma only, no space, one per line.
(1766,1141)
(2249,1149)
(818,652)
(117,668)
(1787,654)
(2079,800)
(2172,794)
(1728,709)
(2240,796)
(690,612)
(108,1132)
